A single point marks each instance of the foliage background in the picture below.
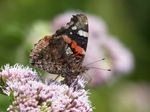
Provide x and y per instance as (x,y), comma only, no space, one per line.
(129,20)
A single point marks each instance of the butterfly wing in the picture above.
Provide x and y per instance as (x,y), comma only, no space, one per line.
(63,52)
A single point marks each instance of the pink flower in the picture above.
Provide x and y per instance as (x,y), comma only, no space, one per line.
(28,94)
(100,45)
(121,56)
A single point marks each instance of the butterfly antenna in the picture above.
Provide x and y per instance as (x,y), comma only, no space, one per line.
(74,82)
(95,61)
(101,68)
(57,77)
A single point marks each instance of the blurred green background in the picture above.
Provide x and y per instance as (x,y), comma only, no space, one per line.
(129,20)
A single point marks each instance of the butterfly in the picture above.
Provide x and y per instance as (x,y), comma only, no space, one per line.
(63,52)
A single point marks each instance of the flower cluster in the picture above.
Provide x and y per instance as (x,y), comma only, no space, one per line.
(28,93)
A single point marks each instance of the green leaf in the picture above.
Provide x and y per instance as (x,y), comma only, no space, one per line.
(48,103)
(3,85)
(11,95)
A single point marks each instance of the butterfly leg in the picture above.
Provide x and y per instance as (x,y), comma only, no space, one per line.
(57,77)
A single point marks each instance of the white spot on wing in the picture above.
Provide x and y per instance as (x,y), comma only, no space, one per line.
(83,33)
(69,51)
(74,28)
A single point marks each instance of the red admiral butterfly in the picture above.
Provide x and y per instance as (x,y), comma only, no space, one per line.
(63,52)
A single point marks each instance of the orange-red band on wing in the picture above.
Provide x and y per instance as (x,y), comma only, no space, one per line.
(74,45)
(79,50)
